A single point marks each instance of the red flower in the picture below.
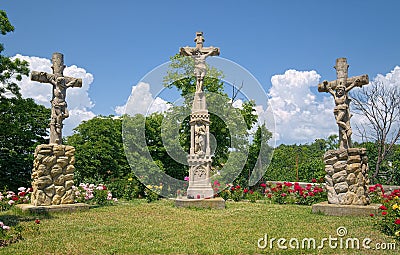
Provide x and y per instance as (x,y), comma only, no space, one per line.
(269,195)
(283,194)
(311,194)
(384,213)
(104,187)
(37,221)
(21,194)
(372,215)
(14,198)
(372,189)
(245,190)
(237,187)
(397,222)
(314,180)
(382,207)
(251,192)
(263,185)
(288,184)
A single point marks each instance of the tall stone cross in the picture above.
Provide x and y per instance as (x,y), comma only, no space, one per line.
(199,54)
(60,83)
(199,158)
(339,89)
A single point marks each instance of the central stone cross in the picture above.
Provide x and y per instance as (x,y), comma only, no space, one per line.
(199,158)
(60,83)
(339,89)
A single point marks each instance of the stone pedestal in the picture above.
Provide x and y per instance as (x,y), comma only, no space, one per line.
(346,210)
(53,175)
(213,203)
(199,158)
(346,176)
(199,177)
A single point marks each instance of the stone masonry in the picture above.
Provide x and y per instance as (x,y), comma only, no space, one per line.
(53,175)
(346,176)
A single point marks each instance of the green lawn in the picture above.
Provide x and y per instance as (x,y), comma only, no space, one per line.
(160,228)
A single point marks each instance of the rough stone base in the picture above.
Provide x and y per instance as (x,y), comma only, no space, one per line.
(212,203)
(53,208)
(345,210)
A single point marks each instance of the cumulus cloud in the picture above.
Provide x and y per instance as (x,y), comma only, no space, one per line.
(141,101)
(300,116)
(79,102)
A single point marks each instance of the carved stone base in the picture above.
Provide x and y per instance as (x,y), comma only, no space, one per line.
(199,177)
(347,176)
(53,175)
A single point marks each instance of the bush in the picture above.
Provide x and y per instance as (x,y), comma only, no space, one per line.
(389,220)
(10,198)
(92,194)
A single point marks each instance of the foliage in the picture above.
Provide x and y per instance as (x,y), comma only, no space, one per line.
(93,194)
(298,162)
(9,68)
(99,149)
(22,122)
(279,193)
(389,220)
(8,199)
(23,126)
(289,193)
(9,235)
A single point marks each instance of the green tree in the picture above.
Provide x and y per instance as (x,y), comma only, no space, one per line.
(99,150)
(23,123)
(9,68)
(298,162)
(23,126)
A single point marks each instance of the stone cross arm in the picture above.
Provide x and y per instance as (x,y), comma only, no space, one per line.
(188,51)
(360,80)
(44,77)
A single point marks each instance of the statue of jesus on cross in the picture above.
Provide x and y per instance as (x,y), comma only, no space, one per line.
(60,83)
(339,89)
(199,54)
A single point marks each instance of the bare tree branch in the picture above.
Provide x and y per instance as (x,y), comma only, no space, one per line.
(379,103)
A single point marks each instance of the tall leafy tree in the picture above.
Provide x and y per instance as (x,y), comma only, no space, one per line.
(23,123)
(99,150)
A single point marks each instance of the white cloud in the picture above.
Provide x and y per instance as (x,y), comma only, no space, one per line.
(78,100)
(141,101)
(299,115)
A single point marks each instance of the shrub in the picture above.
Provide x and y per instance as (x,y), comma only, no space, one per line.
(388,222)
(10,198)
(93,194)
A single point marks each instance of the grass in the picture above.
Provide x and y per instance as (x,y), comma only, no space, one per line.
(160,228)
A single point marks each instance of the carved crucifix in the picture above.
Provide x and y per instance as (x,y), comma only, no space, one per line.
(60,83)
(199,54)
(339,89)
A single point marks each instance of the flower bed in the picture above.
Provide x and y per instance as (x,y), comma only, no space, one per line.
(389,219)
(280,192)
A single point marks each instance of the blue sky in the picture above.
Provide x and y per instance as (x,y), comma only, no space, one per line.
(119,42)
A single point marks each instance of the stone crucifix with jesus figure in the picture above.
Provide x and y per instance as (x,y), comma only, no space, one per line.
(60,83)
(346,168)
(199,158)
(53,165)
